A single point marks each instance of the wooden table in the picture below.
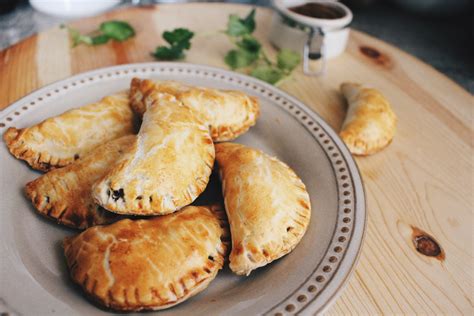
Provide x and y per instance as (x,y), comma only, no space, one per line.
(419,190)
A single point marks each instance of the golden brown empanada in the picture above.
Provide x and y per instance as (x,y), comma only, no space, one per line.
(149,264)
(58,141)
(64,194)
(167,167)
(370,122)
(229,113)
(267,205)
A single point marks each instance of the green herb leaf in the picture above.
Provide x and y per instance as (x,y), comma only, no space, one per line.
(168,53)
(249,21)
(268,74)
(238,27)
(178,40)
(117,30)
(235,27)
(250,44)
(100,39)
(288,59)
(249,53)
(180,36)
(239,58)
(82,39)
(77,38)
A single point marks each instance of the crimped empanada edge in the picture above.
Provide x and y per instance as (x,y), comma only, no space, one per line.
(45,207)
(298,229)
(231,132)
(359,147)
(41,161)
(199,287)
(42,206)
(140,90)
(99,196)
(102,190)
(137,308)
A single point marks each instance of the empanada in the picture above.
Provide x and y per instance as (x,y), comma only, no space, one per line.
(58,141)
(370,122)
(229,113)
(167,167)
(64,194)
(267,205)
(149,264)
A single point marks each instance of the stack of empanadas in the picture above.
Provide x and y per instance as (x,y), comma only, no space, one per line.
(105,174)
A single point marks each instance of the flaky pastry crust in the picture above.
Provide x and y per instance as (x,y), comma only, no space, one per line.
(370,122)
(64,194)
(267,205)
(58,141)
(229,113)
(149,264)
(167,167)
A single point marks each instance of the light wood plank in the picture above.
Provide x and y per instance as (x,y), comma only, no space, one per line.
(18,71)
(53,57)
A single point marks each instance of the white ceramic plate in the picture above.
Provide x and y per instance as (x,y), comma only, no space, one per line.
(34,279)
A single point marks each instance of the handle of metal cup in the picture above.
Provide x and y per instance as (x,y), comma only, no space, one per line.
(314,49)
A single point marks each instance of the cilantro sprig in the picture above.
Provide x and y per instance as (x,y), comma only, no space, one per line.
(178,41)
(249,54)
(109,30)
(239,27)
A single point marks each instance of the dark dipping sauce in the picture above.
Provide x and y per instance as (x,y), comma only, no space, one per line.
(319,10)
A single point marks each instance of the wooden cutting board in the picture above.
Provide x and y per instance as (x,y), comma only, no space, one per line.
(420,187)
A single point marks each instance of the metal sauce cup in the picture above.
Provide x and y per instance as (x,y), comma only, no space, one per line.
(316,38)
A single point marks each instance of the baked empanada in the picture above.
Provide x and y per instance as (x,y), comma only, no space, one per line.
(58,141)
(370,123)
(228,113)
(149,264)
(267,205)
(167,167)
(64,194)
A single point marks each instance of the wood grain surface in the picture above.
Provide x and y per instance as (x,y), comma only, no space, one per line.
(419,190)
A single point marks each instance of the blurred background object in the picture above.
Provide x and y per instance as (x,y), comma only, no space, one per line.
(319,29)
(439,32)
(424,7)
(358,3)
(73,8)
(8,5)
(435,7)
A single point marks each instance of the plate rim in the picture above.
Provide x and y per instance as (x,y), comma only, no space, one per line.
(347,263)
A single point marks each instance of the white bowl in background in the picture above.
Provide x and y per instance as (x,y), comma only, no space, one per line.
(297,32)
(73,8)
